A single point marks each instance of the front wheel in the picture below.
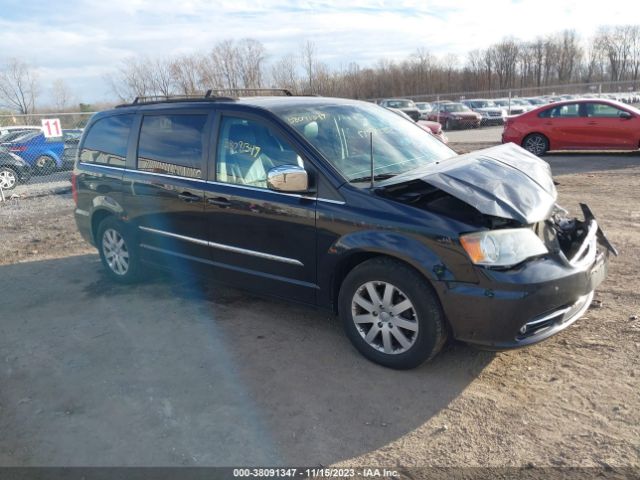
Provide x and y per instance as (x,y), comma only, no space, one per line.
(118,251)
(391,314)
(8,178)
(536,143)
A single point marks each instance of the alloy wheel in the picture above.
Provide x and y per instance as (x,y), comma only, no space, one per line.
(7,179)
(385,317)
(115,251)
(536,144)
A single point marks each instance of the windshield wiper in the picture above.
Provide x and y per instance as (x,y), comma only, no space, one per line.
(380,176)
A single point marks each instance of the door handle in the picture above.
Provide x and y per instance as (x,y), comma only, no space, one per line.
(219,202)
(189,197)
(592,123)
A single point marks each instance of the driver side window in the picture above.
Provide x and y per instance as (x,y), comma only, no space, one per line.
(247,150)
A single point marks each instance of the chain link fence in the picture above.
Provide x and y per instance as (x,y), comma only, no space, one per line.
(37,151)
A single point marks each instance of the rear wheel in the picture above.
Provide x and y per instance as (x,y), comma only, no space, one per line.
(391,314)
(536,143)
(45,165)
(8,178)
(118,251)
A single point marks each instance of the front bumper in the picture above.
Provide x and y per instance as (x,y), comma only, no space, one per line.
(462,123)
(516,308)
(492,121)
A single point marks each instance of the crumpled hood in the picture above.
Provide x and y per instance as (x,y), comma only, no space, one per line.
(504,181)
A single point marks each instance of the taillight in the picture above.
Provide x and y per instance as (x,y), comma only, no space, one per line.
(21,148)
(74,188)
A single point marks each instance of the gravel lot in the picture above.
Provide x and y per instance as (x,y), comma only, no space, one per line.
(180,372)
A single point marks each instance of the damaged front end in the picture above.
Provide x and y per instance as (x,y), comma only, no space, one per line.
(537,268)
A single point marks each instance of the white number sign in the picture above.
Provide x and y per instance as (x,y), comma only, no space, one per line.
(51,127)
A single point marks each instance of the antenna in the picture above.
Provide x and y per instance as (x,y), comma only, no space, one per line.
(371,156)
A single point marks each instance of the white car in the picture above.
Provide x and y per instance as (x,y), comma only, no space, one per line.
(492,114)
(18,128)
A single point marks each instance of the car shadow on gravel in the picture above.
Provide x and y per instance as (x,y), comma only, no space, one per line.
(183,372)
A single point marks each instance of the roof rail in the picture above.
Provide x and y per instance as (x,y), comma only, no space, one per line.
(221,94)
(243,91)
(152,99)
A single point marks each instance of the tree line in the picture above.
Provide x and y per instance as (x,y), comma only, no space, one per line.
(612,54)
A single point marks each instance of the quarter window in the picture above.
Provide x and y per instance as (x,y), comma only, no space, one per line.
(106,143)
(172,145)
(247,150)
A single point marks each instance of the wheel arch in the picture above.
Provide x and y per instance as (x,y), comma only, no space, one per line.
(96,219)
(350,260)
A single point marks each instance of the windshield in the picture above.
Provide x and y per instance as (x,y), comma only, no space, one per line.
(71,135)
(481,103)
(423,107)
(14,135)
(400,104)
(454,107)
(342,134)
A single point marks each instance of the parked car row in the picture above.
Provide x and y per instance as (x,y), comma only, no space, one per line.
(25,151)
(490,111)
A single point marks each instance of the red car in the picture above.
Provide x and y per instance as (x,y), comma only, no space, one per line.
(454,115)
(434,128)
(590,124)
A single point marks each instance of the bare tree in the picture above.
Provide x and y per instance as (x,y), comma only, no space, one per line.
(225,61)
(161,76)
(133,79)
(505,58)
(187,74)
(61,95)
(309,61)
(18,86)
(251,57)
(284,73)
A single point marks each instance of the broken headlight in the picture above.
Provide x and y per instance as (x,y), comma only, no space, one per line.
(502,248)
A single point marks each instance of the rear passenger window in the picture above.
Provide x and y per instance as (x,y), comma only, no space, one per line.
(172,145)
(106,142)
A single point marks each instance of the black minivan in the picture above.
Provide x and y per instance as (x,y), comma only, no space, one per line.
(343,205)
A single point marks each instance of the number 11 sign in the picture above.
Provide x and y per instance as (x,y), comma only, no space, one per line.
(51,127)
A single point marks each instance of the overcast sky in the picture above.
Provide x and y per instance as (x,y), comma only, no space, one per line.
(82,40)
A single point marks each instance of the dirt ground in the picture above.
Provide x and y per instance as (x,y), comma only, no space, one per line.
(570,401)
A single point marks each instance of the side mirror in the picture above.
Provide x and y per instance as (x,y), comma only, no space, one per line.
(625,115)
(288,178)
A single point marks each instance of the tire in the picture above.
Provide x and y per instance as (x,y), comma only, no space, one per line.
(118,251)
(8,178)
(447,124)
(415,333)
(45,165)
(536,143)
